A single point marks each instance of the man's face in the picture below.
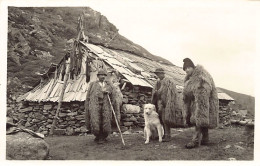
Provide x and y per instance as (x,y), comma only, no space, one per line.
(160,75)
(189,70)
(101,77)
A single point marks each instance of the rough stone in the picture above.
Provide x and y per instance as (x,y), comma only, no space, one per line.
(23,146)
(47,107)
(128,124)
(62,114)
(80,117)
(128,108)
(69,131)
(133,119)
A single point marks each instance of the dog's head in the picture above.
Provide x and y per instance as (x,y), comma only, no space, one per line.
(149,108)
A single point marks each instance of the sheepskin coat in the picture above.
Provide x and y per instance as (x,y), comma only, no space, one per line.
(164,97)
(98,109)
(200,99)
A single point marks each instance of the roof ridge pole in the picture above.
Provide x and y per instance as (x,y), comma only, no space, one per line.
(76,44)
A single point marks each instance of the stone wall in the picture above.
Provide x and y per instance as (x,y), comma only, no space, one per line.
(39,116)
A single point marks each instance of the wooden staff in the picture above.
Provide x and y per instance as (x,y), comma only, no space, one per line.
(116,120)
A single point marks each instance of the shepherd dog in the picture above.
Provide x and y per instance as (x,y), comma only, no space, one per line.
(153,127)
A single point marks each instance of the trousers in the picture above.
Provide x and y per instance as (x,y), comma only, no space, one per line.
(201,134)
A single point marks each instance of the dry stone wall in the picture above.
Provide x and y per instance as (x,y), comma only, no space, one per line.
(39,116)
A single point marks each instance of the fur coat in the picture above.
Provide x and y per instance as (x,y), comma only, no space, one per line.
(164,97)
(95,95)
(200,99)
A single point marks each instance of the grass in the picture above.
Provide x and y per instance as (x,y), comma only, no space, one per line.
(84,148)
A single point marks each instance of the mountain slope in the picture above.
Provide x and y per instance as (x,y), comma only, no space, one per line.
(37,37)
(243,101)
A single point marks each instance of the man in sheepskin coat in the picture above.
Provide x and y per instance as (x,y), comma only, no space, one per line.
(98,111)
(200,102)
(164,96)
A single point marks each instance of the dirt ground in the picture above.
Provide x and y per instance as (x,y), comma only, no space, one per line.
(224,144)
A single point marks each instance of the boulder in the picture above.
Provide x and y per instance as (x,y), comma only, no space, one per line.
(127,124)
(23,146)
(132,109)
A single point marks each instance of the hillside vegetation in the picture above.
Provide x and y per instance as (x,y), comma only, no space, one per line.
(37,37)
(242,101)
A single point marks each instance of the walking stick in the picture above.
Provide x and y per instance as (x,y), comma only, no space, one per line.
(116,120)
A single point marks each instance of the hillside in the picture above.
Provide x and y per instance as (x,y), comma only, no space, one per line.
(243,101)
(37,38)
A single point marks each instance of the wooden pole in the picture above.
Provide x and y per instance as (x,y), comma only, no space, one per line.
(54,122)
(76,44)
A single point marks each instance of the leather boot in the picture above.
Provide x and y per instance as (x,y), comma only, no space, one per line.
(205,136)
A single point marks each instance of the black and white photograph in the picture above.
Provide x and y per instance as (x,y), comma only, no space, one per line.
(147,80)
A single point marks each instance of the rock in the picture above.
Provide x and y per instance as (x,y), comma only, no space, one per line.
(242,122)
(239,147)
(61,115)
(139,119)
(127,124)
(27,109)
(83,129)
(82,121)
(80,117)
(133,119)
(234,113)
(249,120)
(172,147)
(123,128)
(23,146)
(27,124)
(227,147)
(127,132)
(139,132)
(125,100)
(72,114)
(77,130)
(129,108)
(47,107)
(49,126)
(233,121)
(69,131)
(44,132)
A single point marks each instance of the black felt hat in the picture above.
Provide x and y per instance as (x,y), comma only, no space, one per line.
(187,63)
(102,72)
(159,70)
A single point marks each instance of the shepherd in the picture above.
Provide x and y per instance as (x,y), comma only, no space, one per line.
(200,102)
(164,97)
(98,111)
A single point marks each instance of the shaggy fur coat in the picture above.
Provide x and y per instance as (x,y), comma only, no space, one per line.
(94,114)
(200,99)
(164,97)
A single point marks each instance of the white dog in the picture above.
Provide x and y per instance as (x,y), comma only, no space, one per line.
(153,127)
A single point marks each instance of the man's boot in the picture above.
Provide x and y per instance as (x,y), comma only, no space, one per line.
(167,134)
(205,136)
(196,140)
